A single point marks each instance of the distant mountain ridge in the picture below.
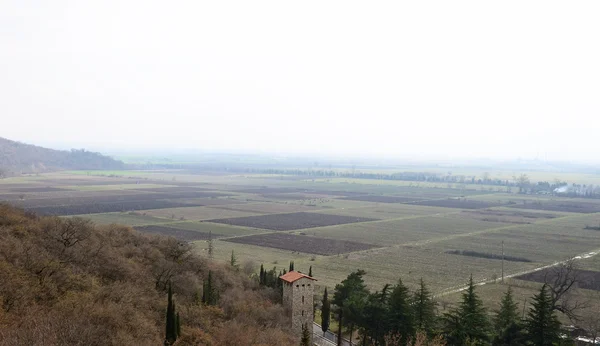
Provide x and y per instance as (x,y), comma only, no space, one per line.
(17,157)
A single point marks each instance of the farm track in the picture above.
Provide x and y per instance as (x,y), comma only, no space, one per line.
(585,255)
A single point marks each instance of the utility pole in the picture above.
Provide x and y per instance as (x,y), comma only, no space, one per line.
(503,261)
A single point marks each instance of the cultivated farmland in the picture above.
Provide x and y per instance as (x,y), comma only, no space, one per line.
(291,221)
(302,243)
(563,206)
(97,208)
(383,199)
(392,229)
(458,203)
(175,232)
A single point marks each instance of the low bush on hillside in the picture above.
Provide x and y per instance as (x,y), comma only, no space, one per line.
(70,282)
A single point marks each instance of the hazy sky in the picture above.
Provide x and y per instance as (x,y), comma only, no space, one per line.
(419,79)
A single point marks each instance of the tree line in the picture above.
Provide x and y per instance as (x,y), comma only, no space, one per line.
(522,181)
(396,316)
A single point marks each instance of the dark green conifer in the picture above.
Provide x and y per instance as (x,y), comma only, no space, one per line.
(325,312)
(233,261)
(349,290)
(401,317)
(210,245)
(542,325)
(305,341)
(261,278)
(171,331)
(424,309)
(197,297)
(310,271)
(469,322)
(210,295)
(507,325)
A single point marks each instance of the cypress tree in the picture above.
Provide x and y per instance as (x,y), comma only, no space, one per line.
(291,265)
(210,245)
(174,332)
(209,294)
(310,271)
(325,312)
(170,331)
(506,322)
(261,278)
(233,261)
(305,341)
(197,297)
(424,309)
(542,325)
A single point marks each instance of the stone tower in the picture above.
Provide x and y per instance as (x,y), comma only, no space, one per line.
(298,291)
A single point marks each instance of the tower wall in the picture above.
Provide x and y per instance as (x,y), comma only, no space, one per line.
(298,298)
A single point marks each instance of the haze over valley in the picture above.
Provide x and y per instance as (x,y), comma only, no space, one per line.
(273,173)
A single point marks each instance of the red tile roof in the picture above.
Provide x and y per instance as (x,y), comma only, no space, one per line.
(293,276)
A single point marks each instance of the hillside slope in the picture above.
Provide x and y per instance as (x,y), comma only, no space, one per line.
(16,157)
(69,282)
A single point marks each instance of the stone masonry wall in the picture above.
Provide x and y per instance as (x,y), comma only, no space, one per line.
(302,292)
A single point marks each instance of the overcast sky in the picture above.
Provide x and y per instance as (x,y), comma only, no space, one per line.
(444,79)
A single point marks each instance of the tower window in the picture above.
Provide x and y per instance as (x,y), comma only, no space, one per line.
(302,312)
(297,285)
(302,299)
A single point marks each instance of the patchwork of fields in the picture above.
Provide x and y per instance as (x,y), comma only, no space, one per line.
(440,233)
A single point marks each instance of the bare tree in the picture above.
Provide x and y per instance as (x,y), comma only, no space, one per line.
(590,317)
(562,281)
(522,182)
(590,321)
